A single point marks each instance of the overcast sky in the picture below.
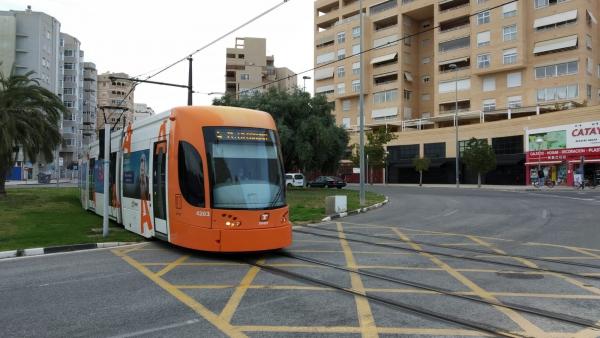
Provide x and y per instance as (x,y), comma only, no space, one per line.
(136,36)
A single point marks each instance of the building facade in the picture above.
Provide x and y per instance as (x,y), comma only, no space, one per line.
(429,65)
(141,111)
(248,69)
(115,101)
(90,101)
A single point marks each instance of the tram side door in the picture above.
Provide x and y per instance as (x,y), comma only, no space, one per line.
(159,187)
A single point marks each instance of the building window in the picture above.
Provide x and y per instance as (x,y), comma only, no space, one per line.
(355,86)
(513,80)
(426,79)
(483,17)
(426,60)
(589,65)
(489,83)
(509,33)
(405,152)
(385,96)
(68,104)
(451,86)
(341,54)
(69,65)
(68,91)
(346,104)
(559,69)
(459,43)
(356,49)
(425,97)
(355,32)
(356,68)
(68,52)
(407,95)
(341,37)
(245,77)
(508,145)
(509,56)
(489,105)
(483,61)
(341,88)
(346,122)
(588,41)
(341,72)
(514,102)
(407,113)
(509,10)
(558,93)
(483,38)
(545,3)
(589,91)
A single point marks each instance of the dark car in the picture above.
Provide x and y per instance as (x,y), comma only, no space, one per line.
(327,181)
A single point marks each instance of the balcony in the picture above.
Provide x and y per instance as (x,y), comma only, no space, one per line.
(454,24)
(450,45)
(384,6)
(450,5)
(389,22)
(450,107)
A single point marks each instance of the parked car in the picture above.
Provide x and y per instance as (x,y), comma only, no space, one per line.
(327,182)
(294,180)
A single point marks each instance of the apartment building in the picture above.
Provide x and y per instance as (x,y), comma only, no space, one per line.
(248,69)
(497,61)
(115,102)
(90,100)
(141,111)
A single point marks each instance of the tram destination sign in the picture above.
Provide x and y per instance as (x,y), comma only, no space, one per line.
(242,135)
(573,136)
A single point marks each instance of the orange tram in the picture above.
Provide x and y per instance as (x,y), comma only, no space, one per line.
(205,178)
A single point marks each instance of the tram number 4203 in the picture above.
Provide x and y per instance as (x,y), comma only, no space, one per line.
(202,213)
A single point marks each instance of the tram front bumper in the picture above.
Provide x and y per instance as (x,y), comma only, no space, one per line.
(240,240)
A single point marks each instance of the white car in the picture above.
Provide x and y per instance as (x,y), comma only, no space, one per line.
(294,180)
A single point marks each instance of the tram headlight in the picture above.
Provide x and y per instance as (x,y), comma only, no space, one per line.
(233,224)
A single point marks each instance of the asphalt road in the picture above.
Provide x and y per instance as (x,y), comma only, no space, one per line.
(157,290)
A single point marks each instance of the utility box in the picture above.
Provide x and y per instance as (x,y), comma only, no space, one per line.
(336,204)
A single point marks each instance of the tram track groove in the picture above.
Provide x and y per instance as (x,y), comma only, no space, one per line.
(484,328)
(584,322)
(437,253)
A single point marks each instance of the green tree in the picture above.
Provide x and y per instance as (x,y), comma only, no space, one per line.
(479,157)
(310,140)
(374,149)
(29,119)
(421,164)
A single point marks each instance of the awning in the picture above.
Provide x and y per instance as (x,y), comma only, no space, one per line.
(384,58)
(554,19)
(591,16)
(560,43)
(324,73)
(385,112)
(543,163)
(448,62)
(325,89)
(408,76)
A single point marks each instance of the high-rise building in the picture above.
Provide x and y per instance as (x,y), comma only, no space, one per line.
(115,101)
(90,86)
(486,60)
(73,98)
(249,69)
(141,111)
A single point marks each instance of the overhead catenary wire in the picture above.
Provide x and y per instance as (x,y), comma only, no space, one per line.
(134,84)
(388,44)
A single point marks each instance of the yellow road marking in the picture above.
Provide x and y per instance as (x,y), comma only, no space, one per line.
(350,329)
(222,325)
(240,291)
(525,324)
(588,333)
(531,264)
(172,265)
(562,246)
(136,248)
(196,264)
(365,316)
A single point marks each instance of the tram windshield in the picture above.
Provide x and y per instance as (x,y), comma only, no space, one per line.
(245,167)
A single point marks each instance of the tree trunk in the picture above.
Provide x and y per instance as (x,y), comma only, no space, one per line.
(479,180)
(420,178)
(2,183)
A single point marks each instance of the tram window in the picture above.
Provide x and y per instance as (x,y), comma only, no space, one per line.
(191,177)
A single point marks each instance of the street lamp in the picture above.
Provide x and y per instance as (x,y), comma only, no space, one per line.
(304,78)
(539,142)
(454,67)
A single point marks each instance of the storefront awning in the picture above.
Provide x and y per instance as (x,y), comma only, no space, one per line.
(543,163)
(560,43)
(556,18)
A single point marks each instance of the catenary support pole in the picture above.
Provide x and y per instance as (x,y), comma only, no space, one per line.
(106,177)
(190,89)
(361,149)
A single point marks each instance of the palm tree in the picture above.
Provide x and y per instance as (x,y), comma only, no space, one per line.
(29,119)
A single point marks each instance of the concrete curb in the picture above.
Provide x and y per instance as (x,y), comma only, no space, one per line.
(57,249)
(357,211)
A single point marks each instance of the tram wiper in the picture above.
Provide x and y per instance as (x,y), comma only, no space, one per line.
(272,204)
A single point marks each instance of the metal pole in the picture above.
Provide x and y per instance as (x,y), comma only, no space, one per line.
(106,176)
(190,91)
(361,111)
(456,125)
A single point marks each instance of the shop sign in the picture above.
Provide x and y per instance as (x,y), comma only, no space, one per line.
(580,135)
(562,154)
